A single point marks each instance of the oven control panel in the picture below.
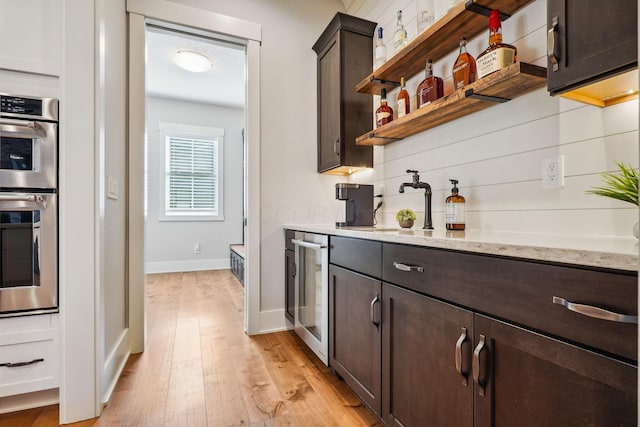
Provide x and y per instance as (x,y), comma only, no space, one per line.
(19,105)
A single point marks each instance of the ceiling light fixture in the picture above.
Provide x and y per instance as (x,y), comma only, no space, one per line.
(191,60)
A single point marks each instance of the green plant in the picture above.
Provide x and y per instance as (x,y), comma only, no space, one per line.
(405,215)
(622,185)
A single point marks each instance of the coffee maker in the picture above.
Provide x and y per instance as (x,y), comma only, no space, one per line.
(359,206)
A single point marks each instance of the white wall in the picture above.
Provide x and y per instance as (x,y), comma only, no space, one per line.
(497,153)
(169,244)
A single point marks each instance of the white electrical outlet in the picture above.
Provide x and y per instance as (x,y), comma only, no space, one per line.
(196,248)
(553,172)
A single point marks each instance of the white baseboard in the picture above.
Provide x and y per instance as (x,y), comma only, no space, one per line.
(272,321)
(37,399)
(188,265)
(114,365)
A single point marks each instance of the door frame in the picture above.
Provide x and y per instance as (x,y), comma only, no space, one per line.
(250,33)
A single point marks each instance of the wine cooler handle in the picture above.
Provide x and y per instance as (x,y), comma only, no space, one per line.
(18,364)
(405,267)
(596,312)
(375,319)
(553,51)
(476,366)
(461,340)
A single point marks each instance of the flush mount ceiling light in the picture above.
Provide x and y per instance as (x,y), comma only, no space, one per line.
(191,60)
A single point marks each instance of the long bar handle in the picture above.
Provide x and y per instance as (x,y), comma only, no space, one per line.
(552,44)
(461,340)
(374,319)
(21,128)
(18,364)
(596,312)
(476,365)
(22,198)
(307,244)
(405,267)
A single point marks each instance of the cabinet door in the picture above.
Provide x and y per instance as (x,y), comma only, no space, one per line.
(422,384)
(527,379)
(290,283)
(592,37)
(329,105)
(355,337)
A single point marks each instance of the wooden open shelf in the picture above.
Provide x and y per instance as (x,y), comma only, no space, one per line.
(500,86)
(439,40)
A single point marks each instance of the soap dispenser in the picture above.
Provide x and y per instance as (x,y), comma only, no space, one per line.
(454,209)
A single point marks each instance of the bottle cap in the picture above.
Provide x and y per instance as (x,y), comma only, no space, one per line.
(494,19)
(402,81)
(383,93)
(379,32)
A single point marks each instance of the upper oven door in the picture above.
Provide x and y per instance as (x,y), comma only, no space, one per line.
(28,253)
(28,154)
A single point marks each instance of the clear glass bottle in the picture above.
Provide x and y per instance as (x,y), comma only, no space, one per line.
(431,88)
(404,101)
(454,209)
(384,113)
(464,70)
(425,15)
(400,36)
(381,51)
(498,55)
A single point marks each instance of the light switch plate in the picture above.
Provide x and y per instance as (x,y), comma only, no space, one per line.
(112,188)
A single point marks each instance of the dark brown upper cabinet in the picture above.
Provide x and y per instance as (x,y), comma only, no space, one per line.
(592,50)
(345,54)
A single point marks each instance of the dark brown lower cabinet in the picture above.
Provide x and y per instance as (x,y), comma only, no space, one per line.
(533,380)
(290,283)
(422,385)
(354,340)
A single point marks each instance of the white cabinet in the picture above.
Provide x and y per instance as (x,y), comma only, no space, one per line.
(29,354)
(31,31)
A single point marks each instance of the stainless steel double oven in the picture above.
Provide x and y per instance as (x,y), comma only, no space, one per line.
(28,205)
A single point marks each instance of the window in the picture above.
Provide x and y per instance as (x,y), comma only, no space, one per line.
(192,172)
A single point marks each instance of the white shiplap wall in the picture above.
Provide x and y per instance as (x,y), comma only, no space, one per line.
(497,153)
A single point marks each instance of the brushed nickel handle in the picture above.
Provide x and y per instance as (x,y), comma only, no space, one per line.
(18,364)
(374,319)
(461,340)
(552,45)
(336,147)
(21,129)
(405,267)
(595,312)
(307,244)
(476,366)
(33,198)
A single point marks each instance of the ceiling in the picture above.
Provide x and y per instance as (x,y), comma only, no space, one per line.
(223,84)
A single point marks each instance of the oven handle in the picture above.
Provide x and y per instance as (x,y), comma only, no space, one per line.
(307,244)
(21,128)
(33,198)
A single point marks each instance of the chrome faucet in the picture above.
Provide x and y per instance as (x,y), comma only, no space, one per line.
(427,197)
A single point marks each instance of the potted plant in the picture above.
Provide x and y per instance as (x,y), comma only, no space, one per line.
(405,218)
(621,185)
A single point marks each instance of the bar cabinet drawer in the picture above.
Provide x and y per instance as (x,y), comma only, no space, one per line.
(363,256)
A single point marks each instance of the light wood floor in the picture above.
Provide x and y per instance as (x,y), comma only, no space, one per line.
(201,369)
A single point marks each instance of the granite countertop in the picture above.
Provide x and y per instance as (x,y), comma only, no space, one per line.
(606,252)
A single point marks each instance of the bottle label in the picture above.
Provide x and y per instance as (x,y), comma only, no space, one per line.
(382,115)
(402,110)
(494,61)
(454,213)
(381,54)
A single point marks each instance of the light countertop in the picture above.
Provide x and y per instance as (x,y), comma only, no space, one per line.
(607,252)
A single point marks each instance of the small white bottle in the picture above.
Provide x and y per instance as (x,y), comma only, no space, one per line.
(454,209)
(381,51)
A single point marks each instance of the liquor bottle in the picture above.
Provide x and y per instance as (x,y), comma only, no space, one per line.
(498,55)
(384,113)
(454,209)
(400,36)
(403,99)
(425,15)
(381,50)
(464,70)
(431,88)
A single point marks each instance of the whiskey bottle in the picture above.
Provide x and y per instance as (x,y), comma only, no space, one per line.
(498,55)
(400,36)
(431,88)
(384,113)
(381,50)
(403,99)
(464,70)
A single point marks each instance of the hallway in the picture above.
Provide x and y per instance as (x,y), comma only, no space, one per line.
(201,369)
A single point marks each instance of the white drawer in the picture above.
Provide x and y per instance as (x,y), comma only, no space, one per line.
(32,346)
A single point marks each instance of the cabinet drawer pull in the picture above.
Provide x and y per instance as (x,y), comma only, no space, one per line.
(596,312)
(476,366)
(405,267)
(18,364)
(375,319)
(461,340)
(552,44)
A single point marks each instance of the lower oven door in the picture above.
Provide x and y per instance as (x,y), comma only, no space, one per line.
(28,253)
(312,292)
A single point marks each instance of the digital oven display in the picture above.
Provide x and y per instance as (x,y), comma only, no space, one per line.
(20,105)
